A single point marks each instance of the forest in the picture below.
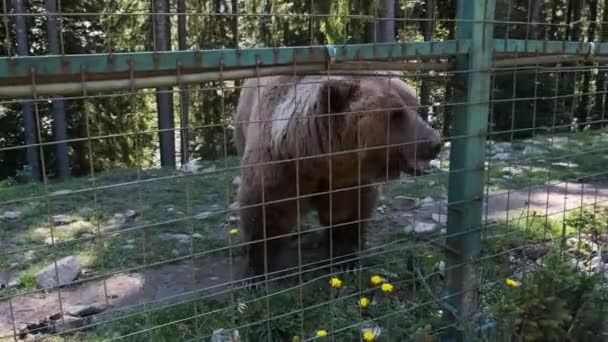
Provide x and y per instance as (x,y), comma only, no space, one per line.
(196,119)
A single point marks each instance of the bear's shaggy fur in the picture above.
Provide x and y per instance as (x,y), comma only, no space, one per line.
(306,140)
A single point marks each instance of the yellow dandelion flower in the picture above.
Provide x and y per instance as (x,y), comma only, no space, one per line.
(512,282)
(376,279)
(368,335)
(386,287)
(363,302)
(233,231)
(335,282)
(321,333)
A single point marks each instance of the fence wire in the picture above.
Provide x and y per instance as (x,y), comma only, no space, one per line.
(139,202)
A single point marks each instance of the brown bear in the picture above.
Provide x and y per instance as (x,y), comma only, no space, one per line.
(323,143)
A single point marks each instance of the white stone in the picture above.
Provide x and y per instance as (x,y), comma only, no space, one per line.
(11,215)
(236,181)
(427,201)
(565,164)
(209,169)
(532,150)
(84,310)
(60,192)
(67,271)
(181,238)
(234,206)
(225,335)
(502,156)
(597,264)
(404,203)
(203,215)
(425,227)
(440,218)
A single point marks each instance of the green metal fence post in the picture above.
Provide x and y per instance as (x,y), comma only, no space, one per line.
(467,165)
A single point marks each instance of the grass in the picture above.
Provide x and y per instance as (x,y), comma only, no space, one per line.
(168,201)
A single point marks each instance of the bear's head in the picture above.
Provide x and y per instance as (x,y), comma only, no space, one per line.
(378,118)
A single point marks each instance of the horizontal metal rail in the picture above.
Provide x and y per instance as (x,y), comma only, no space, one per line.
(33,76)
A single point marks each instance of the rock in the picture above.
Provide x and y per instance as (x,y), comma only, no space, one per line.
(191,167)
(84,310)
(582,246)
(203,215)
(502,156)
(130,214)
(440,218)
(513,170)
(197,236)
(533,150)
(233,219)
(61,192)
(597,264)
(408,229)
(224,335)
(503,147)
(404,203)
(435,163)
(59,220)
(536,251)
(403,219)
(235,206)
(9,278)
(70,324)
(11,215)
(209,169)
(425,213)
(29,255)
(427,201)
(236,181)
(440,267)
(424,227)
(564,164)
(181,238)
(68,270)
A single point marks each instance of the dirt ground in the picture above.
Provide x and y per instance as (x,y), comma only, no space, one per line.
(209,275)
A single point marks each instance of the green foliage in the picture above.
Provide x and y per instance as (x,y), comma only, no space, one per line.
(589,220)
(555,301)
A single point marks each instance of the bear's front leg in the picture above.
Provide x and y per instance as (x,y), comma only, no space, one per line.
(346,226)
(265,224)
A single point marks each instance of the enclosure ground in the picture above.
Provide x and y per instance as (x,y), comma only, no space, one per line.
(151,239)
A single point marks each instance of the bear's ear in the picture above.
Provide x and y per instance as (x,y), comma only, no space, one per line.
(336,95)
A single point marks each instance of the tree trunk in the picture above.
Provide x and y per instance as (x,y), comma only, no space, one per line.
(425,87)
(602,78)
(27,107)
(584,110)
(535,12)
(235,23)
(183,94)
(451,81)
(553,28)
(59,123)
(577,8)
(164,96)
(387,23)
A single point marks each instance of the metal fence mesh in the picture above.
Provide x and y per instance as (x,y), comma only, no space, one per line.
(120,170)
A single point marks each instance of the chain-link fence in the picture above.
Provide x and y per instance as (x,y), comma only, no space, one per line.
(283,170)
